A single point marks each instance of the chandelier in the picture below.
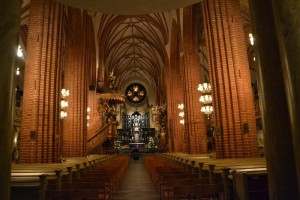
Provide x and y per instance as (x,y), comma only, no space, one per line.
(206,99)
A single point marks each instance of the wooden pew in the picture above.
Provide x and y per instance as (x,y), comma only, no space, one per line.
(88,188)
(198,191)
(216,168)
(59,195)
(225,167)
(168,189)
(54,177)
(28,186)
(250,184)
(67,170)
(27,177)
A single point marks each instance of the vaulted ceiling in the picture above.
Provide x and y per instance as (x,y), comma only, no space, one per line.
(133,47)
(132,42)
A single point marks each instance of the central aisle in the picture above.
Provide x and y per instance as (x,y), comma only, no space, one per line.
(136,184)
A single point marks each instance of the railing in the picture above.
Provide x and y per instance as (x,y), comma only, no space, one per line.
(97,139)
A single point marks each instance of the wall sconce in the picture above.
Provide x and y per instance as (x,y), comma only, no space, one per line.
(18,71)
(181,113)
(63,103)
(63,114)
(181,106)
(20,52)
(251,38)
(88,110)
(64,93)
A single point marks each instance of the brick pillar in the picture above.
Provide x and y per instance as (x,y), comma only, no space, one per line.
(194,120)
(39,137)
(75,79)
(174,93)
(275,87)
(234,116)
(9,31)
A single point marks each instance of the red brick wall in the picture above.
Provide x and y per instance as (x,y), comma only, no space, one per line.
(195,129)
(39,137)
(230,78)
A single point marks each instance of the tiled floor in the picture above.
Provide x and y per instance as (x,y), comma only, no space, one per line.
(137,184)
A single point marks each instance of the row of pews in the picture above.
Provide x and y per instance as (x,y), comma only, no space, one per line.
(76,178)
(197,176)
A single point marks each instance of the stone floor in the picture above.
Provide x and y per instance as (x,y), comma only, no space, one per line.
(137,184)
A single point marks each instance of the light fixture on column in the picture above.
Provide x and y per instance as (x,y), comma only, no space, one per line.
(64,103)
(63,114)
(64,93)
(206,99)
(88,110)
(181,113)
(251,38)
(18,71)
(20,52)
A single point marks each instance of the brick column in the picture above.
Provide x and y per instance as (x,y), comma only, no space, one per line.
(234,116)
(174,83)
(76,80)
(276,119)
(9,31)
(39,137)
(194,120)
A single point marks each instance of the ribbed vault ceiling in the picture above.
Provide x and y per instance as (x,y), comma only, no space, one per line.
(133,47)
(132,42)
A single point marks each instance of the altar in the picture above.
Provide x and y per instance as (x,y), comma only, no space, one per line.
(128,136)
(137,145)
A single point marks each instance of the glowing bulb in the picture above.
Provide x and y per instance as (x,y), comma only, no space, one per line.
(19,52)
(65,92)
(63,114)
(251,38)
(18,71)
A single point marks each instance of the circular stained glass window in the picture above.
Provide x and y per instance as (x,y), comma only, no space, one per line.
(135,93)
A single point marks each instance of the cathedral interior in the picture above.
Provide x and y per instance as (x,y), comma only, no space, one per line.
(80,78)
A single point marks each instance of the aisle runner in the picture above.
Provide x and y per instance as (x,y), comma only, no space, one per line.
(136,184)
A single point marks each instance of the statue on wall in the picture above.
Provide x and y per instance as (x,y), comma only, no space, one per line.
(112,80)
(110,111)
